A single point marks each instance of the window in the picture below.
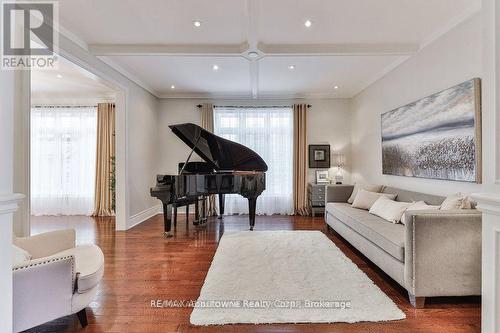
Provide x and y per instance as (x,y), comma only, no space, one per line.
(269,132)
(63,157)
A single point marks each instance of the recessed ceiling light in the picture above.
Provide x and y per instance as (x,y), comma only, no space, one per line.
(172,87)
(215,67)
(291,67)
(197,24)
(253,54)
(335,87)
(59,76)
(308,23)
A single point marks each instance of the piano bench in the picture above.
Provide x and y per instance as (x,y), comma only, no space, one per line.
(187,202)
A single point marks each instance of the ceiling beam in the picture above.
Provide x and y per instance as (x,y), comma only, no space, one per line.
(371,49)
(168,49)
(252,13)
(266,49)
(254,78)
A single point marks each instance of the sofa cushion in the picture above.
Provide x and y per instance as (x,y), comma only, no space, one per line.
(89,262)
(388,236)
(456,201)
(410,196)
(389,210)
(366,199)
(419,205)
(366,187)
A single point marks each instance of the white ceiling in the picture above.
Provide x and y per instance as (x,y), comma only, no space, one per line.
(317,76)
(350,43)
(69,81)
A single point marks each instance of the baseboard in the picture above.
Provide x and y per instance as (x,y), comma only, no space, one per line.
(144,215)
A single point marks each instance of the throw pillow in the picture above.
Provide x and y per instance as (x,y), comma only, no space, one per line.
(419,205)
(366,199)
(19,255)
(366,187)
(456,201)
(388,209)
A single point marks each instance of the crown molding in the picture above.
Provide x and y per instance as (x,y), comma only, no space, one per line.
(451,24)
(386,70)
(129,76)
(72,37)
(78,41)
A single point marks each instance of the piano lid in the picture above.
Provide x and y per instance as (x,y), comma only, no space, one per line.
(220,153)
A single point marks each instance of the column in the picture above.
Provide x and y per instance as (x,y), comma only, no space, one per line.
(489,205)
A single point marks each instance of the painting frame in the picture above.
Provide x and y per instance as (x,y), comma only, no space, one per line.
(477,130)
(322,177)
(319,156)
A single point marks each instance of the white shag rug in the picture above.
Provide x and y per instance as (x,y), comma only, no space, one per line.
(287,277)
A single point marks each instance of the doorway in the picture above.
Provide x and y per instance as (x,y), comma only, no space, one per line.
(72,150)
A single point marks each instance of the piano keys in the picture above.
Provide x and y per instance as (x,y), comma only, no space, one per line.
(228,167)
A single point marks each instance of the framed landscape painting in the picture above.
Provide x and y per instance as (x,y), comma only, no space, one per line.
(436,137)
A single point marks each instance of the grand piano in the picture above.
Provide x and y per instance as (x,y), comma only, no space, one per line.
(228,167)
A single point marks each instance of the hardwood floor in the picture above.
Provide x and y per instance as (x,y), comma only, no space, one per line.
(142,266)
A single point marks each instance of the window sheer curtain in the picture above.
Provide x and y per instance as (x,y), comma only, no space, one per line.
(63,157)
(269,132)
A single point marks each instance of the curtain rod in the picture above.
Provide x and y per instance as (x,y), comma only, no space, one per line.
(199,106)
(63,106)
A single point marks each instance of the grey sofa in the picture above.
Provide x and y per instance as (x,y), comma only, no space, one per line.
(437,253)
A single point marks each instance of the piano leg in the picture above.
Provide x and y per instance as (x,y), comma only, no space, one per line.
(175,216)
(221,205)
(167,219)
(252,202)
(204,210)
(196,212)
(187,214)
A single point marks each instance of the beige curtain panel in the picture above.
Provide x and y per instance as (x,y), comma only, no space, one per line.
(103,201)
(207,122)
(300,159)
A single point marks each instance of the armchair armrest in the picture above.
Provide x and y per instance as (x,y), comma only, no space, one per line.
(338,193)
(48,243)
(443,253)
(42,290)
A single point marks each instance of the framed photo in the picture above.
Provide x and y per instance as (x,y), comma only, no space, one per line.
(322,177)
(319,156)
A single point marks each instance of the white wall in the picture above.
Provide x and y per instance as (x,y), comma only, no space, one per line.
(452,59)
(328,122)
(173,150)
(143,149)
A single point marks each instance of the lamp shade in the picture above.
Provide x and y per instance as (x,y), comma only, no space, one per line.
(339,159)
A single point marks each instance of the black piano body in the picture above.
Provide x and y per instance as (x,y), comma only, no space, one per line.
(228,168)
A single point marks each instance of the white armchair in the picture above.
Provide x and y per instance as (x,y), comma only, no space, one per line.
(60,279)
